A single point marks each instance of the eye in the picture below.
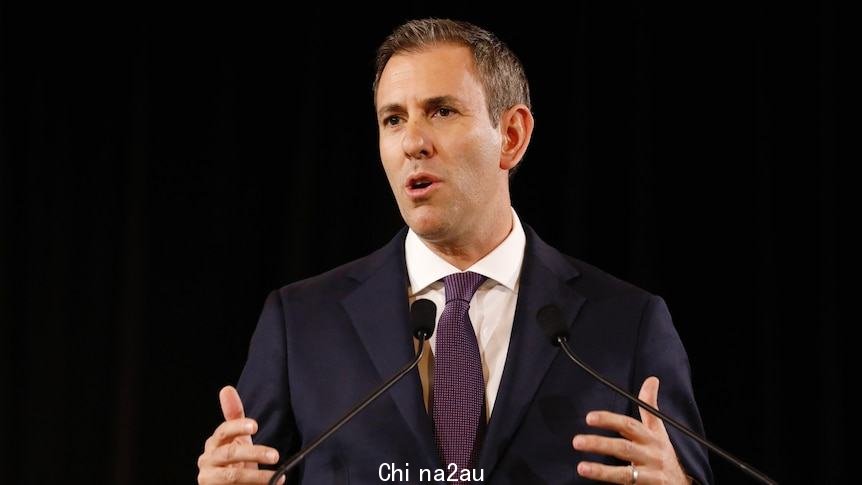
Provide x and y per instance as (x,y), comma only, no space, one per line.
(445,112)
(391,121)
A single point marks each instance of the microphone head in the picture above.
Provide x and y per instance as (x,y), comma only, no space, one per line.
(423,314)
(551,321)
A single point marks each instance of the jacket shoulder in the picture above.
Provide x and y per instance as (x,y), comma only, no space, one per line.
(339,281)
(591,282)
(597,284)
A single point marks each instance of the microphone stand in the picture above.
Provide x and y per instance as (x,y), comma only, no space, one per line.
(561,340)
(299,456)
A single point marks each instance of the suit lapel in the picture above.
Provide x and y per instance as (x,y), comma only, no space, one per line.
(379,312)
(545,277)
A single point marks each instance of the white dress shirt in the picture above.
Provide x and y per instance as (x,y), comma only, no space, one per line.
(492,308)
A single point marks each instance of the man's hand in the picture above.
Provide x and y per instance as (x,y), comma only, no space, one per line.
(644,443)
(229,455)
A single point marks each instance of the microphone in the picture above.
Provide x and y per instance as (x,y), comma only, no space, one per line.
(551,322)
(423,314)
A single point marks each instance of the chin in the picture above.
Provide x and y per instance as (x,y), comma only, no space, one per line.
(427,224)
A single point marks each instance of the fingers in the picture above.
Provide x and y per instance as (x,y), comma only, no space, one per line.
(238,453)
(231,430)
(229,455)
(649,395)
(643,443)
(607,473)
(626,426)
(622,449)
(213,476)
(231,404)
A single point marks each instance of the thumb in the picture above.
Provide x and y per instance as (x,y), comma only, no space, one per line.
(231,404)
(649,395)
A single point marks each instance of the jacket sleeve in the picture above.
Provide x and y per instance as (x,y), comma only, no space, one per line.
(660,353)
(263,385)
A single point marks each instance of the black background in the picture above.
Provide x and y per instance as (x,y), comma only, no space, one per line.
(163,167)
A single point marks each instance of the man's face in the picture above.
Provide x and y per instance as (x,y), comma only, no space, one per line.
(439,150)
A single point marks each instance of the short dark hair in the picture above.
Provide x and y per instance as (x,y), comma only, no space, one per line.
(500,71)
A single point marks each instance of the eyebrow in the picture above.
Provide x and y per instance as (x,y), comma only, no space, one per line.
(429,103)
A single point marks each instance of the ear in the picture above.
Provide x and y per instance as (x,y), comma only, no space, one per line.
(516,128)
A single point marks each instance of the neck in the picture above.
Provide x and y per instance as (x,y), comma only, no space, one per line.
(476,243)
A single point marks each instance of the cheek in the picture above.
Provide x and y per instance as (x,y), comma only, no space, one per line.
(394,185)
(390,164)
(480,161)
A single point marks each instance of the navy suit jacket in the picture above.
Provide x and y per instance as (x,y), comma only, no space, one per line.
(322,344)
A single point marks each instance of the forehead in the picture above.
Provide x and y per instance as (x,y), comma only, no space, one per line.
(443,70)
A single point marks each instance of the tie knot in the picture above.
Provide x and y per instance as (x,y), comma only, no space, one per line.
(462,286)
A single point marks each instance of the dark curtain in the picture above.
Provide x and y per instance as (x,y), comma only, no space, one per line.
(163,168)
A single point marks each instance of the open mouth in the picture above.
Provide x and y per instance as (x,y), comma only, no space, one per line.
(420,184)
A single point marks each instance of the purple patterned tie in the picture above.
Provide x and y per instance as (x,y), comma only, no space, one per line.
(458,395)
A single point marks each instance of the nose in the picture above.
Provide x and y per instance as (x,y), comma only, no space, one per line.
(417,141)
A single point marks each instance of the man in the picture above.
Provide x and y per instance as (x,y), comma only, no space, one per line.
(497,399)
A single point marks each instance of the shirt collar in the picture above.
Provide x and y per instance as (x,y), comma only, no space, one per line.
(502,265)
